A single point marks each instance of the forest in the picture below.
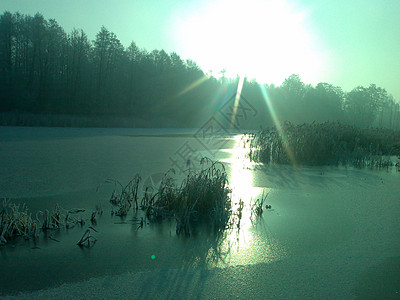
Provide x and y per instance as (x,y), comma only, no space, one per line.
(47,72)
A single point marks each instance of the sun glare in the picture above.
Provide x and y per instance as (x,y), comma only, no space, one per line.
(262,39)
(245,246)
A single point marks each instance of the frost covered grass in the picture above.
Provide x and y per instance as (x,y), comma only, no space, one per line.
(325,144)
(201,196)
(17,221)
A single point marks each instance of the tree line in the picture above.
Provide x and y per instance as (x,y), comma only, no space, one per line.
(44,70)
(370,106)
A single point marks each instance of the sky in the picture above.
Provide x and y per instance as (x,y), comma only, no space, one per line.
(345,43)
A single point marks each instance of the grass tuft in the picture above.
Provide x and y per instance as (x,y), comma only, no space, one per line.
(201,196)
(16,221)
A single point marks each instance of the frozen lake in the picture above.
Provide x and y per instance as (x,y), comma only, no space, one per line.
(331,233)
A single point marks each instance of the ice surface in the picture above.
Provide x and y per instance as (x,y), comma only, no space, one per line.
(336,231)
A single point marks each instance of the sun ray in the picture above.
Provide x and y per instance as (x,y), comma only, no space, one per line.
(194,85)
(278,125)
(237,98)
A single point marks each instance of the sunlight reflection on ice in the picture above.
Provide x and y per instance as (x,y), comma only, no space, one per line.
(252,242)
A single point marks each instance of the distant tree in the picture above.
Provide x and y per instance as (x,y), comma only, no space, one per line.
(288,98)
(324,103)
(134,57)
(162,62)
(7,29)
(7,25)
(293,88)
(386,112)
(107,53)
(362,104)
(78,85)
(177,63)
(177,73)
(52,67)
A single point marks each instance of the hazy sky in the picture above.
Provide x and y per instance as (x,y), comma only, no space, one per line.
(346,43)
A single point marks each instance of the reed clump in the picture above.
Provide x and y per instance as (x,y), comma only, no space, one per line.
(327,143)
(16,221)
(201,196)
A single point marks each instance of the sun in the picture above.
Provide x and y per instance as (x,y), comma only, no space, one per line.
(262,39)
